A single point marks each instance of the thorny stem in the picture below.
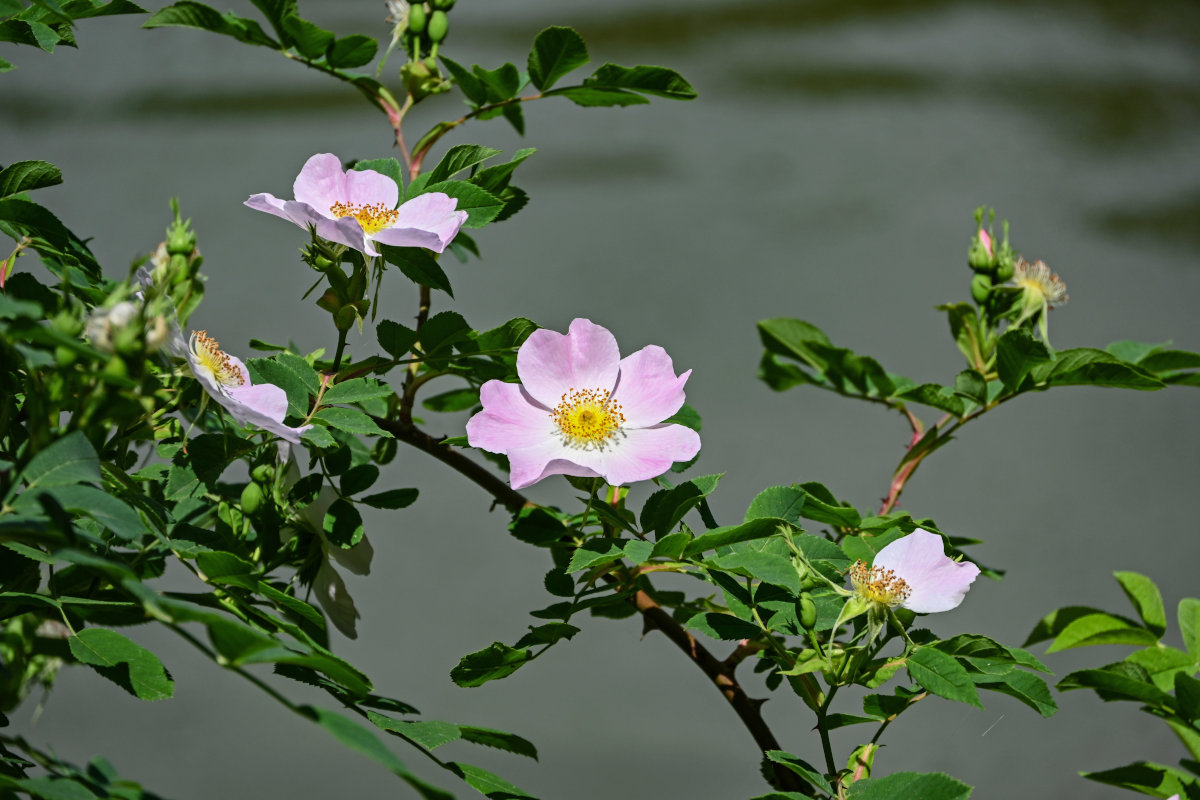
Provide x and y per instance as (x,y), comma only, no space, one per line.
(654,616)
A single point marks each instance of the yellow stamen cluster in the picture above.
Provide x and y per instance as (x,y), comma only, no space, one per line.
(373,217)
(209,355)
(879,585)
(1042,285)
(587,418)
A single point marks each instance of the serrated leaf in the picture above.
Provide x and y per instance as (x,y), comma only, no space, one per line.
(25,176)
(352,51)
(731,534)
(595,552)
(189,14)
(453,400)
(481,205)
(1101,628)
(1145,598)
(723,626)
(1028,688)
(418,265)
(459,158)
(1085,366)
(350,420)
(392,499)
(495,661)
(780,502)
(355,390)
(488,784)
(430,734)
(926,786)
(1146,777)
(1189,625)
(309,39)
(556,51)
(395,339)
(646,79)
(129,665)
(590,97)
(68,460)
(800,767)
(1017,353)
(501,740)
(1120,681)
(942,675)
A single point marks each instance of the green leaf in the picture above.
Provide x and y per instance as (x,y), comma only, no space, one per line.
(495,661)
(189,14)
(355,390)
(430,734)
(658,81)
(496,178)
(1187,695)
(1146,777)
(501,740)
(942,675)
(102,506)
(589,97)
(350,420)
(1087,367)
(671,546)
(395,339)
(266,370)
(486,783)
(547,634)
(595,552)
(358,479)
(1189,625)
(1120,681)
(25,176)
(1101,628)
(352,51)
(392,499)
(303,370)
(319,436)
(730,534)
(969,383)
(935,395)
(228,569)
(923,785)
(1146,599)
(1026,687)
(835,367)
(443,330)
(766,567)
(1162,664)
(361,740)
(1017,353)
(276,11)
(556,51)
(471,86)
(723,626)
(801,767)
(458,158)
(481,206)
(780,502)
(309,39)
(418,265)
(822,506)
(664,509)
(68,460)
(50,788)
(343,524)
(129,665)
(501,83)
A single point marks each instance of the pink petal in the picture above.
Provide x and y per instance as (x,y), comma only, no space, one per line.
(529,465)
(647,389)
(268,203)
(550,363)
(367,187)
(264,399)
(643,453)
(986,239)
(937,582)
(510,420)
(321,182)
(427,220)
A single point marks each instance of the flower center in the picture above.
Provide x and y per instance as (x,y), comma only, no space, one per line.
(1041,286)
(879,585)
(587,418)
(208,355)
(373,218)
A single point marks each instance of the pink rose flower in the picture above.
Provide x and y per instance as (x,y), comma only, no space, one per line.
(582,410)
(358,207)
(915,573)
(227,381)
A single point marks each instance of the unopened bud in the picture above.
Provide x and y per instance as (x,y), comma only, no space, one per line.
(981,284)
(417,18)
(343,320)
(439,26)
(252,498)
(807,612)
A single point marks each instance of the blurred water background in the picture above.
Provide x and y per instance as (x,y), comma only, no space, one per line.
(828,171)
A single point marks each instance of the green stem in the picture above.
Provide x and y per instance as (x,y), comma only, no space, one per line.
(341,347)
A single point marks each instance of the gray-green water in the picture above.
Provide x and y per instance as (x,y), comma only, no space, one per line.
(828,172)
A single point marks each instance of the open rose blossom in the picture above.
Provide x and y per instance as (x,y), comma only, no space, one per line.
(227,381)
(358,207)
(914,572)
(582,410)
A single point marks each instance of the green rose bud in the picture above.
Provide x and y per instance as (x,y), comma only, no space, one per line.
(981,284)
(263,473)
(443,5)
(344,319)
(439,26)
(1005,267)
(417,18)
(808,612)
(252,498)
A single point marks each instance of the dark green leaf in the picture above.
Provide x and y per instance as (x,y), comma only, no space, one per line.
(25,176)
(499,739)
(189,14)
(1145,777)
(129,665)
(1017,353)
(547,634)
(588,97)
(556,51)
(392,499)
(1028,688)
(395,339)
(1101,628)
(495,179)
(935,395)
(1189,625)
(781,502)
(266,370)
(801,767)
(665,508)
(355,390)
(926,786)
(971,384)
(471,86)
(495,661)
(350,420)
(1146,600)
(487,784)
(309,39)
(443,330)
(723,626)
(645,79)
(343,524)
(1120,681)
(1087,367)
(453,400)
(942,675)
(595,552)
(430,734)
(720,537)
(68,460)
(352,51)
(458,158)
(501,83)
